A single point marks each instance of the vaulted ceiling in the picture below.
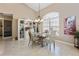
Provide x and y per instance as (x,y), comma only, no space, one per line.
(35,6)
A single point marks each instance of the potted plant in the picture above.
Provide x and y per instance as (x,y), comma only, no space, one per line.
(76,37)
(76,34)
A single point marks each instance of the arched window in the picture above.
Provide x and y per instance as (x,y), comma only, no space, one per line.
(51,22)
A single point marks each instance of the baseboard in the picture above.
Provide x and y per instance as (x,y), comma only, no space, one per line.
(8,37)
(71,44)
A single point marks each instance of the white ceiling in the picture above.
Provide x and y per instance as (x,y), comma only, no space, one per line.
(35,6)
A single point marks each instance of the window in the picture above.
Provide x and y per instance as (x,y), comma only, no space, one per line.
(51,22)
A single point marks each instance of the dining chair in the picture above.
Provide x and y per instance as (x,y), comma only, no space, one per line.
(32,39)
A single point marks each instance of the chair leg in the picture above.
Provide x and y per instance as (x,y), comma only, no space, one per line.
(46,44)
(54,46)
(42,44)
(29,43)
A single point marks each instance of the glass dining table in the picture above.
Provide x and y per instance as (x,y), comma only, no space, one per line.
(46,40)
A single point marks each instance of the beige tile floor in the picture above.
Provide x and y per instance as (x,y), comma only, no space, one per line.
(20,48)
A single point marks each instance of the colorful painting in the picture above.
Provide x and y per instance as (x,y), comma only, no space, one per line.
(70,25)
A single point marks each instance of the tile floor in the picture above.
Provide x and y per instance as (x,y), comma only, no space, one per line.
(20,48)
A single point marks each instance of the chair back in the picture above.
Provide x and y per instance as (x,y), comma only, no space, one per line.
(30,35)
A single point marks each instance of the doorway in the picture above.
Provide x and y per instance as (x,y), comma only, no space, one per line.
(1,29)
(21,29)
(5,26)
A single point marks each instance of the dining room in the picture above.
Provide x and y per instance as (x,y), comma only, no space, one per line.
(39,27)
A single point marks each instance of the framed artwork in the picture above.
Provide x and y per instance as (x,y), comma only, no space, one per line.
(70,25)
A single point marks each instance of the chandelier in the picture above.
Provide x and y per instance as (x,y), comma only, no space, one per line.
(38,19)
